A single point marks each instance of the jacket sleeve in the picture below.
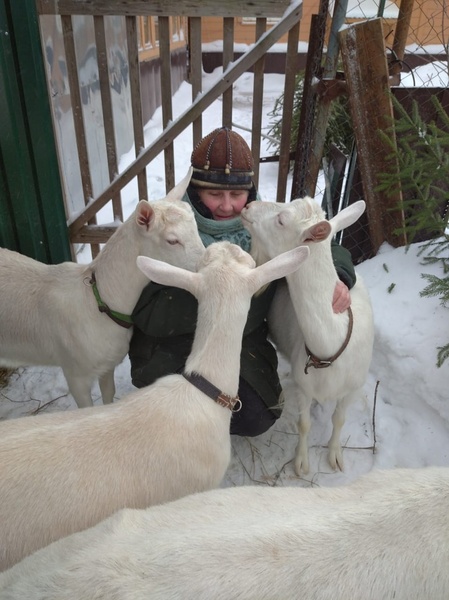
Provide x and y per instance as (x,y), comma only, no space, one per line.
(164,324)
(165,311)
(343,263)
(165,321)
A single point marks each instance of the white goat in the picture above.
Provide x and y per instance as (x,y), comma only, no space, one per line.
(386,536)
(321,335)
(63,472)
(49,314)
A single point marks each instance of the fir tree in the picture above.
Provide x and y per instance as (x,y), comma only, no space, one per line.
(339,129)
(423,158)
(438,252)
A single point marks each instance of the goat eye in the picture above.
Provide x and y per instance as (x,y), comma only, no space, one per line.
(173,242)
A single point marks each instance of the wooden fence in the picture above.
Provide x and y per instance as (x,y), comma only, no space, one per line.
(83,227)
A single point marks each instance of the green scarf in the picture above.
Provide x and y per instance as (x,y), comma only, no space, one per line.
(217,231)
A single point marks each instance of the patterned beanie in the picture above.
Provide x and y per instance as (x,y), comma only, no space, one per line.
(222,160)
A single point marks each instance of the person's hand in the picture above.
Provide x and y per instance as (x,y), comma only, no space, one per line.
(342,298)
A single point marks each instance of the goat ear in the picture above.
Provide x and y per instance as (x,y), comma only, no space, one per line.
(144,214)
(318,232)
(176,194)
(280,266)
(166,274)
(347,216)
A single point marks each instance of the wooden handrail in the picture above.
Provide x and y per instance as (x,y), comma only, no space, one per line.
(164,8)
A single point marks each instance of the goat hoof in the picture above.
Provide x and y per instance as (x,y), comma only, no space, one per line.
(336,461)
(301,466)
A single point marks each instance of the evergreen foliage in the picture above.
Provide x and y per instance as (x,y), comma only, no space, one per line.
(339,130)
(276,116)
(438,252)
(423,158)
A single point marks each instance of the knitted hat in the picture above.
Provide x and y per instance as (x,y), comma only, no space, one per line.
(222,160)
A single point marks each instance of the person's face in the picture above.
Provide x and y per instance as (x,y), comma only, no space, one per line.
(224,204)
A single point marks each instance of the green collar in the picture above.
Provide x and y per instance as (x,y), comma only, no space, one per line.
(119,318)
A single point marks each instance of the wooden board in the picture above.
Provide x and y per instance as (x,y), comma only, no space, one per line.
(366,70)
(165,8)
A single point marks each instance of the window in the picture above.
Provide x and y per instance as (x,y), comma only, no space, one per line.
(148,35)
(145,32)
(252,21)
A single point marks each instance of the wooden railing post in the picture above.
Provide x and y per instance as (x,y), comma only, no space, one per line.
(366,70)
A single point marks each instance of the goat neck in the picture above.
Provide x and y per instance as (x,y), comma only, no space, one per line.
(311,290)
(218,338)
(119,281)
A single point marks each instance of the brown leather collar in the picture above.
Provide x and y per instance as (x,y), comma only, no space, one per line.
(234,404)
(318,363)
